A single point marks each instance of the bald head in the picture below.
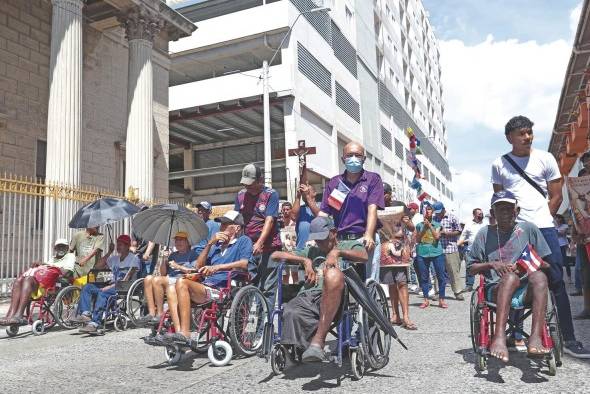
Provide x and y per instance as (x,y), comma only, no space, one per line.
(353,149)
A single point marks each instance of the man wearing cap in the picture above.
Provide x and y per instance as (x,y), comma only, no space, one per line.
(533,176)
(259,205)
(229,249)
(352,199)
(123,266)
(40,274)
(204,209)
(466,239)
(179,263)
(493,254)
(307,317)
(449,235)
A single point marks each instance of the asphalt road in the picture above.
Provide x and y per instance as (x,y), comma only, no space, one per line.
(439,359)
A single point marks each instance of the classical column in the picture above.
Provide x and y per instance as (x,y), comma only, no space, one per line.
(64,119)
(140,27)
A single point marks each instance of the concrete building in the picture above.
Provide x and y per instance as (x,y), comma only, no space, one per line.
(363,71)
(83,103)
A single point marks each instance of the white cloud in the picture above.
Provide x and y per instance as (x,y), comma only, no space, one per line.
(575,18)
(488,83)
(472,190)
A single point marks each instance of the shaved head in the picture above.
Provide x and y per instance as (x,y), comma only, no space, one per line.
(353,148)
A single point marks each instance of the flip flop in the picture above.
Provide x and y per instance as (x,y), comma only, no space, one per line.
(443,305)
(410,327)
(424,305)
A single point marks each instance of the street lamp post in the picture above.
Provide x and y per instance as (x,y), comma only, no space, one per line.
(266,100)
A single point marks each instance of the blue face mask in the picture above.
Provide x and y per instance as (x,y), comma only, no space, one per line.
(353,164)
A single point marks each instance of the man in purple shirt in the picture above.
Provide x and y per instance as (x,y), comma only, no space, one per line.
(352,199)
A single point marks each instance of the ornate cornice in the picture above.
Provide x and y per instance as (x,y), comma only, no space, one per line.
(141,24)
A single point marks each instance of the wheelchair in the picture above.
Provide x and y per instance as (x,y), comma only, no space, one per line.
(39,313)
(482,322)
(231,323)
(356,332)
(122,308)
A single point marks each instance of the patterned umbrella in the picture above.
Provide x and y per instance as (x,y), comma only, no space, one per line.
(102,211)
(160,222)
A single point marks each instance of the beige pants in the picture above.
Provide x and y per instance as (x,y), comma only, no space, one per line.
(453,266)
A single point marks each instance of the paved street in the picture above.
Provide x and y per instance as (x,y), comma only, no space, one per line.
(440,359)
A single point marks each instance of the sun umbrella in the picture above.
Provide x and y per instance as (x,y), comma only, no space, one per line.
(160,222)
(102,211)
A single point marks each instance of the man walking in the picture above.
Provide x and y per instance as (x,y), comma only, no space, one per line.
(449,234)
(466,239)
(533,177)
(352,199)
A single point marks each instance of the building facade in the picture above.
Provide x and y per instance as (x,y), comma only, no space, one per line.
(363,71)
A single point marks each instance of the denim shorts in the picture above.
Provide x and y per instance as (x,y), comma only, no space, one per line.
(517,301)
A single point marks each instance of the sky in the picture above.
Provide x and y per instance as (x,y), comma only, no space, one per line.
(499,59)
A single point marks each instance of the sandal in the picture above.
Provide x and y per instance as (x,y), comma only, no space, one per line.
(424,305)
(443,305)
(409,326)
(397,322)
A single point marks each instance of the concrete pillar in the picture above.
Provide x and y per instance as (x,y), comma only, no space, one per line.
(140,27)
(64,119)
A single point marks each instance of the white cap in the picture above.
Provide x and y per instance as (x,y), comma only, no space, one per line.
(61,241)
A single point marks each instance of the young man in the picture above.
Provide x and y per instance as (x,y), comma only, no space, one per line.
(204,209)
(287,227)
(533,177)
(352,199)
(494,253)
(466,240)
(259,205)
(87,246)
(227,250)
(307,317)
(40,274)
(123,266)
(449,234)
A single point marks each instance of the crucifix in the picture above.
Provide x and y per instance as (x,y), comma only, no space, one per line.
(301,152)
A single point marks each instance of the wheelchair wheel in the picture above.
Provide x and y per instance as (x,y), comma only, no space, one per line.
(554,330)
(135,302)
(376,343)
(474,317)
(173,354)
(551,361)
(66,306)
(220,353)
(357,362)
(278,359)
(120,323)
(247,318)
(38,327)
(12,330)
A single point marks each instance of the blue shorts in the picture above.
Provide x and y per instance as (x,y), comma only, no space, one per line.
(517,298)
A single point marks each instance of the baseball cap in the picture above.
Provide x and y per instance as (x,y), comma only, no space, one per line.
(387,188)
(438,207)
(181,234)
(413,205)
(320,228)
(503,195)
(250,174)
(61,241)
(231,217)
(205,205)
(124,238)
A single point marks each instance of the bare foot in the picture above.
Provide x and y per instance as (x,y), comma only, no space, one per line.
(498,348)
(535,348)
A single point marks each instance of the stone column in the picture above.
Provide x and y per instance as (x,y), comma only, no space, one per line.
(64,119)
(140,27)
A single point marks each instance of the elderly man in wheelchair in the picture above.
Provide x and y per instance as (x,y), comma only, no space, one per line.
(308,316)
(123,266)
(509,257)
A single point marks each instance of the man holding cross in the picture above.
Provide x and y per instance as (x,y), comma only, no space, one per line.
(353,199)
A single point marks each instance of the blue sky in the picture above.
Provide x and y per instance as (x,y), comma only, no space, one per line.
(499,59)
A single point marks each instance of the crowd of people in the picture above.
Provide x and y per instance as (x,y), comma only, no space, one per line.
(422,252)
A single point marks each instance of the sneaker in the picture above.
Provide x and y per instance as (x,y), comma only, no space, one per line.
(575,349)
(175,338)
(413,288)
(314,354)
(83,318)
(459,297)
(88,329)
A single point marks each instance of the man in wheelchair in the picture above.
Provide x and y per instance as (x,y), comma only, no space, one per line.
(123,266)
(227,250)
(40,274)
(494,254)
(308,316)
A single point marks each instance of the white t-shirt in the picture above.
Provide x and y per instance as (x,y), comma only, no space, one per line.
(470,231)
(542,168)
(120,268)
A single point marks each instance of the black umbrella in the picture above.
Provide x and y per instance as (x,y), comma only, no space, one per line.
(160,222)
(102,211)
(359,292)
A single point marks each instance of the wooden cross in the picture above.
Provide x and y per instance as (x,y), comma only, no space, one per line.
(301,152)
